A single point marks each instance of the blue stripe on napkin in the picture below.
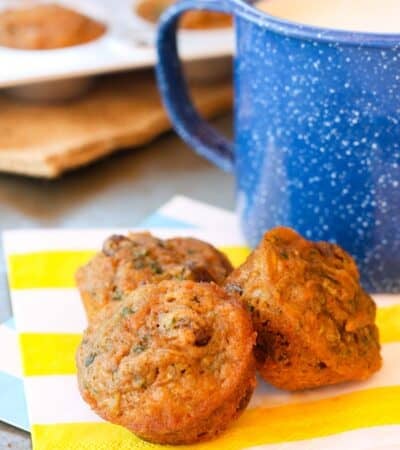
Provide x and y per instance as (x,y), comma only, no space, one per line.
(13,408)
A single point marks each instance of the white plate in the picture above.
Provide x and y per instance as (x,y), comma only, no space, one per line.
(127,44)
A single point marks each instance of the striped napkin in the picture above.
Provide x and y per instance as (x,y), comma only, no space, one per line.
(50,319)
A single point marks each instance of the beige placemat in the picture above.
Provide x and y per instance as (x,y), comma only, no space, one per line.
(120,111)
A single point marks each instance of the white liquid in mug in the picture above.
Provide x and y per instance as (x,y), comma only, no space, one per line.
(374,16)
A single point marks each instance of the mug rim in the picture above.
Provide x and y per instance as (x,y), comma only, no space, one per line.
(249,11)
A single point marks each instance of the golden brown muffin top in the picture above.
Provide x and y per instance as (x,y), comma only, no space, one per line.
(150,259)
(127,262)
(170,353)
(46,26)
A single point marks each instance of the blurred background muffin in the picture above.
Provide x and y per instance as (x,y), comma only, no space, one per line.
(151,11)
(47,26)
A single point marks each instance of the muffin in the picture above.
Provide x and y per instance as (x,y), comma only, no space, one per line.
(127,262)
(173,362)
(151,11)
(46,26)
(315,324)
(198,253)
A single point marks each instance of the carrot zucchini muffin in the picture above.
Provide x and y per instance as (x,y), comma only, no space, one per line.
(151,11)
(173,362)
(46,26)
(127,262)
(315,324)
(198,253)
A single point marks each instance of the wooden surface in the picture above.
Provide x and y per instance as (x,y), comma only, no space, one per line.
(120,111)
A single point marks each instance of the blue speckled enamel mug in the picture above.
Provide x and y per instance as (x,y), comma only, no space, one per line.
(317,123)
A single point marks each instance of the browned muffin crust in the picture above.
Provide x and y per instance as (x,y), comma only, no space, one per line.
(151,11)
(200,254)
(315,324)
(47,26)
(127,262)
(173,363)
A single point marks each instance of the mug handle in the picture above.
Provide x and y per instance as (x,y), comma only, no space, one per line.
(197,133)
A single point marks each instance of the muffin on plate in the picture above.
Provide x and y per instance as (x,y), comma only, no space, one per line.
(127,262)
(46,26)
(173,362)
(315,324)
(151,11)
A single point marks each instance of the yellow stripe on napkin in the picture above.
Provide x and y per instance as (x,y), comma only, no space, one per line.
(57,269)
(54,354)
(388,321)
(258,426)
(48,354)
(237,255)
(46,269)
